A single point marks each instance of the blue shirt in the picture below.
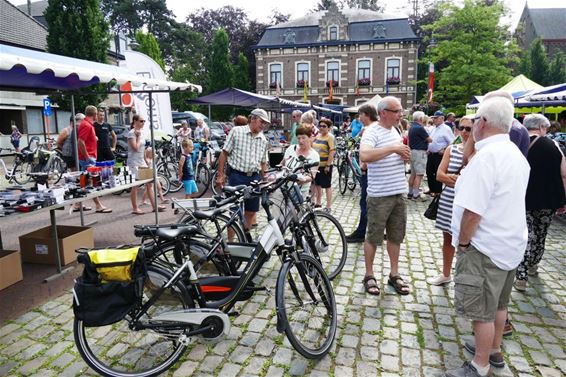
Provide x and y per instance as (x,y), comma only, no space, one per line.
(356,127)
(441,136)
(417,137)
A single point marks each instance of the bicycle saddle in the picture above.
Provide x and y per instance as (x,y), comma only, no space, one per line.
(207,215)
(168,232)
(233,189)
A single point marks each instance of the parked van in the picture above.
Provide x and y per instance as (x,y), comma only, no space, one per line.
(189,116)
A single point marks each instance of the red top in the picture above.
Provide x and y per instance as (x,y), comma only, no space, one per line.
(88,135)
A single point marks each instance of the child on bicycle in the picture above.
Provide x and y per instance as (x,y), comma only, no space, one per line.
(186,169)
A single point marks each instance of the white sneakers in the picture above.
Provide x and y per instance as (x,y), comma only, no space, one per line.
(439,280)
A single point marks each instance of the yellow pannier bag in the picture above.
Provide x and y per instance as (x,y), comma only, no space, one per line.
(114,264)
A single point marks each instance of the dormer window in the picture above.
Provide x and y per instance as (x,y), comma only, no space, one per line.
(333,33)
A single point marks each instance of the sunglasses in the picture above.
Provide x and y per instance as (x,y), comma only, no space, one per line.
(467,129)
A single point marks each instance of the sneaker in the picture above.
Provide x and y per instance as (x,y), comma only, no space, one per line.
(533,271)
(508,328)
(466,370)
(327,210)
(439,280)
(355,238)
(495,359)
(520,285)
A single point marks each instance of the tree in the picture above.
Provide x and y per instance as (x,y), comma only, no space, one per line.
(183,73)
(557,69)
(241,76)
(148,45)
(473,46)
(77,29)
(539,63)
(220,75)
(324,5)
(363,4)
(123,15)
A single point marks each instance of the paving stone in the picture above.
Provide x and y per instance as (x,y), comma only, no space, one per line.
(257,325)
(210,363)
(264,347)
(298,367)
(8,328)
(31,366)
(63,360)
(389,347)
(390,363)
(549,372)
(283,356)
(342,370)
(186,369)
(350,341)
(240,354)
(230,370)
(75,369)
(410,357)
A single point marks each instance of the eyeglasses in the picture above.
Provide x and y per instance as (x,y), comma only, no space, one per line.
(322,126)
(141,120)
(478,118)
(467,129)
(394,111)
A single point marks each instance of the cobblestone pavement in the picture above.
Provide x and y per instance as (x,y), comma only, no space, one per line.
(414,335)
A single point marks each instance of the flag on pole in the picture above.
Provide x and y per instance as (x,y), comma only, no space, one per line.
(277,91)
(430,81)
(331,93)
(357,88)
(306,92)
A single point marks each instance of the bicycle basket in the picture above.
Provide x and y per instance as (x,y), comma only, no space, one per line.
(110,287)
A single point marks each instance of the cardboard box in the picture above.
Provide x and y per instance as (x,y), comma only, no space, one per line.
(39,246)
(10,268)
(145,173)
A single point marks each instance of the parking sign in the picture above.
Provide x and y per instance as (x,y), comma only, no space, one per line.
(46,107)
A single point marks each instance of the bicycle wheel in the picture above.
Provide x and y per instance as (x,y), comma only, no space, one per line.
(232,233)
(171,171)
(325,240)
(306,308)
(21,171)
(353,182)
(119,350)
(202,179)
(343,177)
(217,190)
(57,169)
(164,182)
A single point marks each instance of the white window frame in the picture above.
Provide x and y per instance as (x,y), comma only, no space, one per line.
(387,65)
(269,70)
(370,68)
(337,32)
(360,101)
(326,70)
(308,70)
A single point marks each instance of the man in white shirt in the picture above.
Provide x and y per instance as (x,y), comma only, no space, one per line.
(383,150)
(490,232)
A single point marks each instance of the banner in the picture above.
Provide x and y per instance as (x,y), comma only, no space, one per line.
(430,81)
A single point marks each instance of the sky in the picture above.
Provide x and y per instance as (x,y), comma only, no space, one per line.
(262,9)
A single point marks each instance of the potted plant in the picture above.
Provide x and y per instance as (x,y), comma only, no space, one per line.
(273,85)
(364,82)
(393,80)
(334,83)
(301,83)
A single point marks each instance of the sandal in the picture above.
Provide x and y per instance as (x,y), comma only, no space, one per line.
(399,285)
(104,210)
(372,289)
(85,208)
(138,212)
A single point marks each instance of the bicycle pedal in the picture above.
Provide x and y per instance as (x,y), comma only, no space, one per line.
(234,314)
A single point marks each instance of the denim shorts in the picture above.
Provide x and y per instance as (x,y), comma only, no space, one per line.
(235,179)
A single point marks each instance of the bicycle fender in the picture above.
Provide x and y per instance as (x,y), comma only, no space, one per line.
(279,292)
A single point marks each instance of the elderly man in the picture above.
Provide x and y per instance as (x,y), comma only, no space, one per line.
(441,136)
(489,230)
(246,152)
(385,154)
(451,121)
(418,142)
(296,115)
(545,193)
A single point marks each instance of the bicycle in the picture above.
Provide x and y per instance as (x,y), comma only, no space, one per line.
(155,333)
(21,167)
(349,165)
(49,162)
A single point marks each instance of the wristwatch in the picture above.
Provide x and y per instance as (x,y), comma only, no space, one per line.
(464,246)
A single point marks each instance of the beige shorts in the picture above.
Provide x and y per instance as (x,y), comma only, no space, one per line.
(481,288)
(418,161)
(387,213)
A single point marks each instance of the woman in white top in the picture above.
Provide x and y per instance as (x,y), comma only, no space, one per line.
(303,148)
(136,150)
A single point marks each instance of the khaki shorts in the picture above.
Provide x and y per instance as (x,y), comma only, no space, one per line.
(387,213)
(418,161)
(481,288)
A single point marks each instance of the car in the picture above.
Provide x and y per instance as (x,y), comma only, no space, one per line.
(217,131)
(121,137)
(189,116)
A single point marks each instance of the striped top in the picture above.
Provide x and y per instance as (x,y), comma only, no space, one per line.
(444,215)
(324,145)
(386,177)
(246,152)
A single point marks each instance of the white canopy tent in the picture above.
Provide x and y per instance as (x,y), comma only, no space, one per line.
(372,101)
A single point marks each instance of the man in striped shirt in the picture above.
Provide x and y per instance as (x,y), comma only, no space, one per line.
(383,150)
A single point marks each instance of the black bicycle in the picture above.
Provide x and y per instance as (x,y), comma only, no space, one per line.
(155,333)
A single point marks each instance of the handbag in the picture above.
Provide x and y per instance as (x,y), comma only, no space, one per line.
(432,209)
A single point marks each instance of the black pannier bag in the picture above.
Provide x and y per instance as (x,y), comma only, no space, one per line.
(110,287)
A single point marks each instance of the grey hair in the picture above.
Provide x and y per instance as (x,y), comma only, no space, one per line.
(385,102)
(500,94)
(184,122)
(307,118)
(497,111)
(419,116)
(297,112)
(535,121)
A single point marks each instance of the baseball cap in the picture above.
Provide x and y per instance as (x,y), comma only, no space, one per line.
(262,114)
(438,113)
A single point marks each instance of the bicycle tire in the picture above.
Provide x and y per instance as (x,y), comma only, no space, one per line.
(354,181)
(110,350)
(343,177)
(21,171)
(333,256)
(240,235)
(292,282)
(164,182)
(217,190)
(170,170)
(202,179)
(58,168)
